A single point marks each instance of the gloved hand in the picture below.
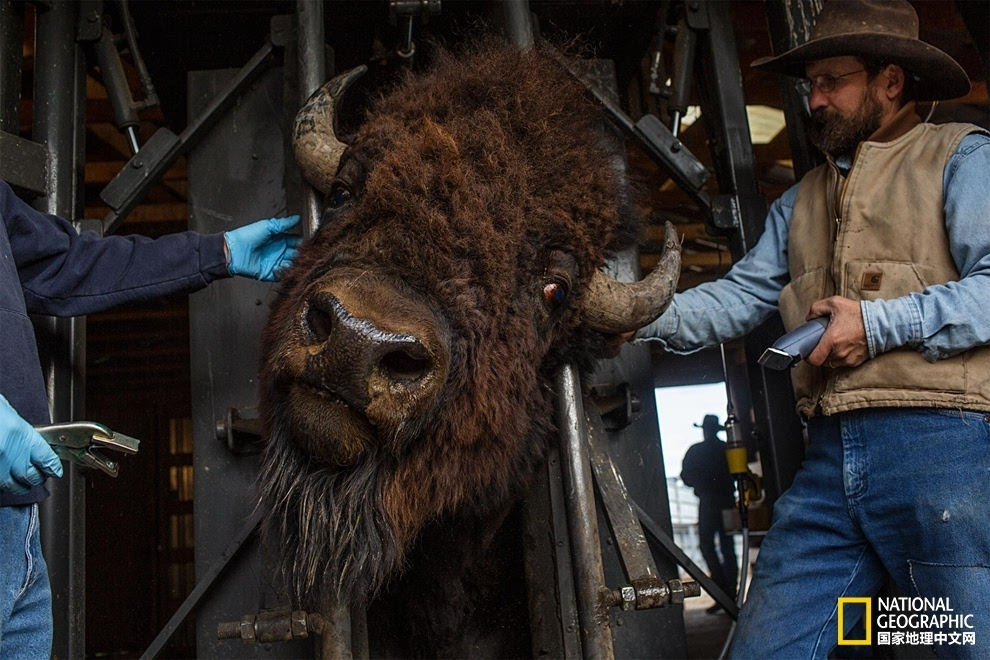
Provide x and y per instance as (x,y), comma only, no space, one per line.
(263,248)
(25,457)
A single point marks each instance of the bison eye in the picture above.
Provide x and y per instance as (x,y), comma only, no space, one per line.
(554,294)
(339,195)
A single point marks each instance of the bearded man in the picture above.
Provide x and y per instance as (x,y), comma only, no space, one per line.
(891,240)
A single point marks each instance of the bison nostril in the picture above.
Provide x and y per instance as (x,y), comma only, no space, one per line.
(403,367)
(319,322)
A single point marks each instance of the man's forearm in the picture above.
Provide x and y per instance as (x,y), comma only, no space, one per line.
(940,322)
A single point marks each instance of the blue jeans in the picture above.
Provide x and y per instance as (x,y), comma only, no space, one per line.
(25,596)
(898,492)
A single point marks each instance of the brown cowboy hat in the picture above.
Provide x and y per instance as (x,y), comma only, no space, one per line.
(883,29)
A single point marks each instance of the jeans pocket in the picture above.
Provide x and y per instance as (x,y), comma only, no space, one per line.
(959,594)
(32,529)
(970,419)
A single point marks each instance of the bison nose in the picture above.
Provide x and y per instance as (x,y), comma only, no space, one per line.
(359,361)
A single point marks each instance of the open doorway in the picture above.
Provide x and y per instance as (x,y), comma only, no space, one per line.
(680,412)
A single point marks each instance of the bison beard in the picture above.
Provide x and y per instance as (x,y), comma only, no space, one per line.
(333,539)
(407,363)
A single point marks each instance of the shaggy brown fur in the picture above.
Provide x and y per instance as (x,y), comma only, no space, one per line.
(475,184)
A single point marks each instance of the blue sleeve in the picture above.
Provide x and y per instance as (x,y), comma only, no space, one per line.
(730,307)
(947,319)
(63,273)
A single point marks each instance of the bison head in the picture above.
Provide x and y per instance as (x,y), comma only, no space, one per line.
(408,359)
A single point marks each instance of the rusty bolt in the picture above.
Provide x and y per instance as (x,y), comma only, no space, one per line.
(692,589)
(247,629)
(229,630)
(676,591)
(297,623)
(628,597)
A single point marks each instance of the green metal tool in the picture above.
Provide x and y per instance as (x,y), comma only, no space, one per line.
(79,442)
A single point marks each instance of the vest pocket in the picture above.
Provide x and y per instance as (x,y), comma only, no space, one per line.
(881,280)
(903,368)
(796,298)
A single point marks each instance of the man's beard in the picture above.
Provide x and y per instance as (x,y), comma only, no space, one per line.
(836,135)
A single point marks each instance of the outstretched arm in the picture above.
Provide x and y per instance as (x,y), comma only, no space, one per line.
(64,273)
(734,305)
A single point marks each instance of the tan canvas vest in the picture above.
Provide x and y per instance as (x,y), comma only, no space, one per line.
(880,234)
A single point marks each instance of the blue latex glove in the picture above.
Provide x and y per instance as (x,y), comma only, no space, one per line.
(262,249)
(25,457)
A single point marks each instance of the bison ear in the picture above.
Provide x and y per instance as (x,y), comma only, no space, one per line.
(615,307)
(314,139)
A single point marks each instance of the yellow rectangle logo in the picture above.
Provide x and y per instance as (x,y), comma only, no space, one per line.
(868,619)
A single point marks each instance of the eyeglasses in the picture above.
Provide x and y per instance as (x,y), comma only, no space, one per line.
(824,82)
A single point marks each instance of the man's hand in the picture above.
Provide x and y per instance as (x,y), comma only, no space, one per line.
(25,457)
(844,341)
(262,249)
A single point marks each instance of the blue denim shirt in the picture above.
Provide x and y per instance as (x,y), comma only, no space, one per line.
(941,321)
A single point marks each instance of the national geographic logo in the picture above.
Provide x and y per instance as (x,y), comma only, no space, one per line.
(867,618)
(905,621)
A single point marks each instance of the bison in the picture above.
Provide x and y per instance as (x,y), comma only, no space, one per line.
(408,359)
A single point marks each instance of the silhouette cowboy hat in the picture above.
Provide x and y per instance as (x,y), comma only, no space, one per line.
(710,424)
(879,29)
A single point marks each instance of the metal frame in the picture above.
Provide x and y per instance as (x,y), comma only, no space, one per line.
(59,116)
(741,209)
(582,518)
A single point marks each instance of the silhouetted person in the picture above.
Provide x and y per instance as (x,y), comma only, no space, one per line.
(704,468)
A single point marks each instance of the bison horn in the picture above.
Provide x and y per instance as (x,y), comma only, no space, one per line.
(615,307)
(316,146)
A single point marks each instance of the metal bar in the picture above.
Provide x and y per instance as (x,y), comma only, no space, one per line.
(311,61)
(790,23)
(24,163)
(777,428)
(582,519)
(59,112)
(11,61)
(202,587)
(554,626)
(634,553)
(724,108)
(655,139)
(359,633)
(123,201)
(675,553)
(335,638)
(518,23)
(150,97)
